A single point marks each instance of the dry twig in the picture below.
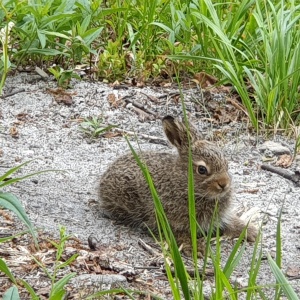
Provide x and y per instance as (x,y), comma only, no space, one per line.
(13,93)
(148,248)
(295,177)
(145,136)
(141,106)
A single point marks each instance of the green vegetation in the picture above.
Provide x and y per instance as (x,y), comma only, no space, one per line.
(57,286)
(252,45)
(93,127)
(12,203)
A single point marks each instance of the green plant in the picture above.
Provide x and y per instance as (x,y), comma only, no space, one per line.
(253,42)
(93,127)
(5,62)
(57,290)
(277,78)
(11,202)
(62,76)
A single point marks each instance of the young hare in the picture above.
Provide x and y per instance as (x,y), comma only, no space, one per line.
(125,195)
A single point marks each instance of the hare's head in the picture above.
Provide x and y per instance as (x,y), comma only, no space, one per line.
(211,176)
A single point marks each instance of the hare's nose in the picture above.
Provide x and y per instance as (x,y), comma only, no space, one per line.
(223,184)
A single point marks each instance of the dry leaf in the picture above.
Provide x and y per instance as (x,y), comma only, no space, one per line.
(129,59)
(205,80)
(61,96)
(22,116)
(14,132)
(140,84)
(293,271)
(116,83)
(284,161)
(110,134)
(6,215)
(65,99)
(113,101)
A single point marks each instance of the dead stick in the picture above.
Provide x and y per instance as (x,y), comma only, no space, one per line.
(174,94)
(13,93)
(151,98)
(294,277)
(145,136)
(191,272)
(147,247)
(141,106)
(141,113)
(146,268)
(295,177)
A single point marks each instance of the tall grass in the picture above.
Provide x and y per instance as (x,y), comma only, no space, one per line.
(277,79)
(254,42)
(251,44)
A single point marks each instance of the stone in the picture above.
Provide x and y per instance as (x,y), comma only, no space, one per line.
(274,147)
(87,284)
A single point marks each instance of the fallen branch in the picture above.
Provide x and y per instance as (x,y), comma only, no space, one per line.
(148,248)
(143,116)
(170,95)
(294,177)
(145,136)
(13,93)
(191,272)
(140,106)
(151,98)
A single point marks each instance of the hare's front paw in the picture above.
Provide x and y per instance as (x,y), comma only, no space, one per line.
(188,250)
(252,233)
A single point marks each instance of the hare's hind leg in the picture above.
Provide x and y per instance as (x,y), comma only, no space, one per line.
(235,227)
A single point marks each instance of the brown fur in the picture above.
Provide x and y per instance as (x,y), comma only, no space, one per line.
(125,195)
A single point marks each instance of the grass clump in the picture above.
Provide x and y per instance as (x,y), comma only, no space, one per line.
(12,203)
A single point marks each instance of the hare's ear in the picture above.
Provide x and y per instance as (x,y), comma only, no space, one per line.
(177,132)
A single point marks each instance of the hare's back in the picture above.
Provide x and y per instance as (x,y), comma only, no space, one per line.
(125,169)
(123,191)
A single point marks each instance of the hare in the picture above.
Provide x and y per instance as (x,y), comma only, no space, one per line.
(125,195)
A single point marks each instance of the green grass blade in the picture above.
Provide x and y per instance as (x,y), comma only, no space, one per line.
(30,290)
(68,261)
(254,268)
(17,179)
(58,288)
(278,251)
(11,202)
(180,270)
(280,278)
(4,268)
(13,170)
(9,238)
(234,259)
(11,294)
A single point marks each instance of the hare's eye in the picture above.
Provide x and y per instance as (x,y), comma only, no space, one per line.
(202,170)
